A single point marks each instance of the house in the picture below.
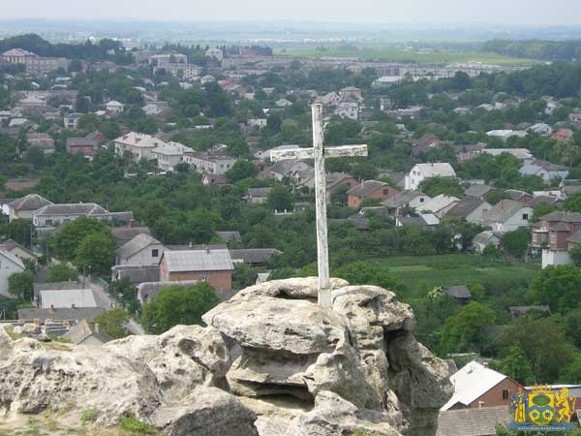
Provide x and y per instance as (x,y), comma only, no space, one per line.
(85,146)
(330,99)
(209,162)
(474,421)
(470,208)
(516,311)
(424,144)
(114,107)
(546,170)
(283,102)
(257,122)
(42,141)
(9,264)
(71,121)
(505,134)
(23,208)
(522,154)
(412,199)
(213,265)
(484,239)
(541,129)
(135,274)
(422,220)
(127,233)
(554,229)
(372,190)
(85,333)
(214,179)
(466,152)
(478,386)
(351,93)
(137,145)
(334,181)
(18,250)
(477,190)
(348,110)
(555,234)
(142,250)
(423,171)
(170,154)
(64,298)
(562,134)
(507,216)
(54,214)
(460,293)
(70,314)
(439,205)
(297,171)
(253,256)
(257,195)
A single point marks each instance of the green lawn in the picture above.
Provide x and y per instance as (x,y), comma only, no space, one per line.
(395,55)
(421,273)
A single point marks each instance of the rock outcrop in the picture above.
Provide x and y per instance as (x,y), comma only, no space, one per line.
(270,363)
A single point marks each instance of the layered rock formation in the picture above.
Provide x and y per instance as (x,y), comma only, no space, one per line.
(271,363)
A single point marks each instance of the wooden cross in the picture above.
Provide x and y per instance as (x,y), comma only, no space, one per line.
(319,153)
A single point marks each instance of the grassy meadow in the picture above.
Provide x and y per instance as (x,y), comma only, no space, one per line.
(397,55)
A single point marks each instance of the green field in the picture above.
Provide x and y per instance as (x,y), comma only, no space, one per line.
(421,273)
(395,55)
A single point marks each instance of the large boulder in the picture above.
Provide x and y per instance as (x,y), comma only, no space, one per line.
(181,358)
(207,411)
(36,376)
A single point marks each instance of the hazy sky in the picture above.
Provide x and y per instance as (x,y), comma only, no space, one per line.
(434,12)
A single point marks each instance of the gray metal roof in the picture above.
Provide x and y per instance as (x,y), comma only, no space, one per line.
(198,260)
(72,209)
(460,291)
(402,199)
(503,210)
(465,207)
(137,244)
(136,274)
(566,217)
(477,190)
(232,236)
(367,187)
(65,314)
(84,330)
(125,234)
(29,202)
(67,298)
(473,421)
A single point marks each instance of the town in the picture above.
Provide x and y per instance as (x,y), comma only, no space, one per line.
(138,191)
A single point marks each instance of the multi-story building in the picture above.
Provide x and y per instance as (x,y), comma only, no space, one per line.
(139,145)
(555,234)
(209,163)
(170,154)
(181,71)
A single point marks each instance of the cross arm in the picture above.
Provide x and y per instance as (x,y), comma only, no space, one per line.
(309,153)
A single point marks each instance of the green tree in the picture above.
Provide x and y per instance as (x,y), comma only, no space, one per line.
(95,253)
(21,231)
(434,186)
(463,332)
(68,237)
(573,203)
(367,273)
(113,322)
(575,253)
(21,285)
(516,366)
(516,243)
(126,294)
(244,276)
(242,169)
(61,272)
(178,305)
(559,287)
(280,198)
(543,342)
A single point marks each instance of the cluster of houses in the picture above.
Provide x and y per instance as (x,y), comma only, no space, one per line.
(482,401)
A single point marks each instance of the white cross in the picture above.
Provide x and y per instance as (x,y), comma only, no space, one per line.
(319,153)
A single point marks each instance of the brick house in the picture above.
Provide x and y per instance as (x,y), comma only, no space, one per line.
(555,234)
(476,385)
(213,265)
(371,189)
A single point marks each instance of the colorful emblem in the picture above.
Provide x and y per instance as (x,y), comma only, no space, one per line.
(542,409)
